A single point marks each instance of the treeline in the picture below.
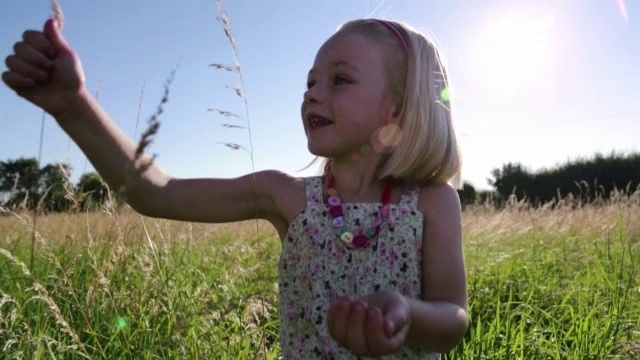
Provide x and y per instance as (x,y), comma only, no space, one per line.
(584,181)
(23,185)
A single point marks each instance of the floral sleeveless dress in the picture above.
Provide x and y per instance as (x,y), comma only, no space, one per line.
(316,268)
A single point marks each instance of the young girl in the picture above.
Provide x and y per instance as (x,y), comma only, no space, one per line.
(372,260)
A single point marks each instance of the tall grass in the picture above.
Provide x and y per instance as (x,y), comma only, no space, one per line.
(553,284)
(543,284)
(135,287)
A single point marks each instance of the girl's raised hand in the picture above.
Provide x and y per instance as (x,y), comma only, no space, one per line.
(44,69)
(374,325)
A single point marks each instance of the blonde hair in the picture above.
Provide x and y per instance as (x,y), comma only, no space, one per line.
(428,152)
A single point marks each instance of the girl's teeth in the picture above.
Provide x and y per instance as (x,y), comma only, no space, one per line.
(318,121)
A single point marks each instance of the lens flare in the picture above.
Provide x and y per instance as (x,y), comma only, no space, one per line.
(121,323)
(386,137)
(444,94)
(390,135)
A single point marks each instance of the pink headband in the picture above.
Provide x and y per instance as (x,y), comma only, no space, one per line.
(395,28)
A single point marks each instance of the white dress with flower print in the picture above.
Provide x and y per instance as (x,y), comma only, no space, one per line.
(316,268)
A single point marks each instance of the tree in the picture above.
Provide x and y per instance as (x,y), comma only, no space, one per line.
(93,190)
(511,179)
(26,185)
(467,194)
(586,179)
(55,187)
(20,179)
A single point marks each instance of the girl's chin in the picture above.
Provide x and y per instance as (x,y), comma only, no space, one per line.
(322,151)
(324,148)
(319,152)
(354,155)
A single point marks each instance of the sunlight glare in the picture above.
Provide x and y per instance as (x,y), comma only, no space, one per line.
(623,10)
(514,50)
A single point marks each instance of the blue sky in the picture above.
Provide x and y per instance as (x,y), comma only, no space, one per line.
(536,82)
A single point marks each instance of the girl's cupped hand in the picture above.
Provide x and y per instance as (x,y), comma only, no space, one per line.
(373,325)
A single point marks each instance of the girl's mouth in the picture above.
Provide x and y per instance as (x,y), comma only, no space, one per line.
(318,121)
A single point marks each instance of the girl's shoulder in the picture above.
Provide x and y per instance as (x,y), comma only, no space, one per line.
(438,199)
(287,193)
(280,183)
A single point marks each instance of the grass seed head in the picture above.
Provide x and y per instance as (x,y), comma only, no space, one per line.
(57,13)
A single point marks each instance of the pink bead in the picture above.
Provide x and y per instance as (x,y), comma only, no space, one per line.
(361,241)
(334,200)
(335,211)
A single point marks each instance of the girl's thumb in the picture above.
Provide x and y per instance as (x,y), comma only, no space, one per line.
(394,321)
(54,34)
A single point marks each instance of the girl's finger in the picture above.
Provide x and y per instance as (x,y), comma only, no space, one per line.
(16,65)
(16,81)
(39,41)
(377,343)
(395,318)
(355,333)
(331,319)
(396,341)
(340,324)
(33,56)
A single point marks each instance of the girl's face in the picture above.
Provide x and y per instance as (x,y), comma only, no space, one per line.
(348,96)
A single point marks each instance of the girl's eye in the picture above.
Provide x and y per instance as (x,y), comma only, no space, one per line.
(310,84)
(338,80)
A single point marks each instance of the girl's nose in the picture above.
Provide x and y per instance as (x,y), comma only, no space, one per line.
(312,95)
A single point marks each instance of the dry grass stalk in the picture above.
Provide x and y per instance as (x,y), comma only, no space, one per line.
(13,329)
(56,262)
(69,193)
(233,146)
(519,219)
(43,295)
(100,225)
(35,210)
(98,87)
(226,22)
(225,113)
(154,251)
(135,132)
(237,89)
(221,67)
(103,281)
(139,165)
(57,12)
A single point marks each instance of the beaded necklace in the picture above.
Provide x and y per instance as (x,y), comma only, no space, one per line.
(359,238)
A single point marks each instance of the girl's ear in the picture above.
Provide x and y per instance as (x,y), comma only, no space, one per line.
(395,116)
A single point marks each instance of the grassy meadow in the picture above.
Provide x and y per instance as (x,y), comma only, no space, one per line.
(557,282)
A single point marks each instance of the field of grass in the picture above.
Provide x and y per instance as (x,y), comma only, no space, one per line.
(543,284)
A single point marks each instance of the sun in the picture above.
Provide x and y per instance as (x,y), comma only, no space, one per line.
(513,51)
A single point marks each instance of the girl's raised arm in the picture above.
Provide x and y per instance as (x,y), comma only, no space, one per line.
(46,71)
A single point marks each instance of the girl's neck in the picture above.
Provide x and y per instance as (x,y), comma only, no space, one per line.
(357,178)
